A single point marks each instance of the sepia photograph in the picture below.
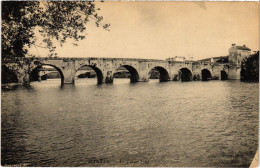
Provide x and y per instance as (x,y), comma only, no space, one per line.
(129,83)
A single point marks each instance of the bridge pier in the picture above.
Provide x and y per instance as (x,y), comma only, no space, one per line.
(109,77)
(69,74)
(234,73)
(216,72)
(174,75)
(142,77)
(196,75)
(23,75)
(40,74)
(143,73)
(69,78)
(23,79)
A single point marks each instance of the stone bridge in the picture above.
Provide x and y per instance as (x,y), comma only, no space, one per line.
(139,69)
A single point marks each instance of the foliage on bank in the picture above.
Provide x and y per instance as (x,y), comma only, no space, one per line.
(250,68)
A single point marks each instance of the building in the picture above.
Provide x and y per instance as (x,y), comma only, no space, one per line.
(238,53)
(221,59)
(176,58)
(235,57)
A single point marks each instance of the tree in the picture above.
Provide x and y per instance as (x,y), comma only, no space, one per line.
(250,68)
(54,20)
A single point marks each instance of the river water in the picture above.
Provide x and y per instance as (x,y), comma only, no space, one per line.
(213,123)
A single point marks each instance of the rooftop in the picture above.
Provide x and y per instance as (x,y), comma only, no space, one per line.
(244,47)
(214,58)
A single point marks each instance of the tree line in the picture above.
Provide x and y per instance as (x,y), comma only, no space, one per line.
(250,68)
(23,21)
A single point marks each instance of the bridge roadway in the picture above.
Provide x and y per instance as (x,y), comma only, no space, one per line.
(139,69)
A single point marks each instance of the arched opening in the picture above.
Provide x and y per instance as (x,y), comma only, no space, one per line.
(185,75)
(46,72)
(205,75)
(159,73)
(87,71)
(8,76)
(127,71)
(224,75)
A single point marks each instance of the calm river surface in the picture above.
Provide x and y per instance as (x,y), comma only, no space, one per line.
(212,123)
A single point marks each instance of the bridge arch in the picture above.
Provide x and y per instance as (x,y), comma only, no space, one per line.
(8,75)
(224,75)
(185,74)
(163,73)
(34,74)
(134,76)
(205,75)
(97,71)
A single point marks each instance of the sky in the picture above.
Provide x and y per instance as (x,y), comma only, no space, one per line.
(159,30)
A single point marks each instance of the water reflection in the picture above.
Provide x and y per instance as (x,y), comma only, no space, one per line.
(67,86)
(13,87)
